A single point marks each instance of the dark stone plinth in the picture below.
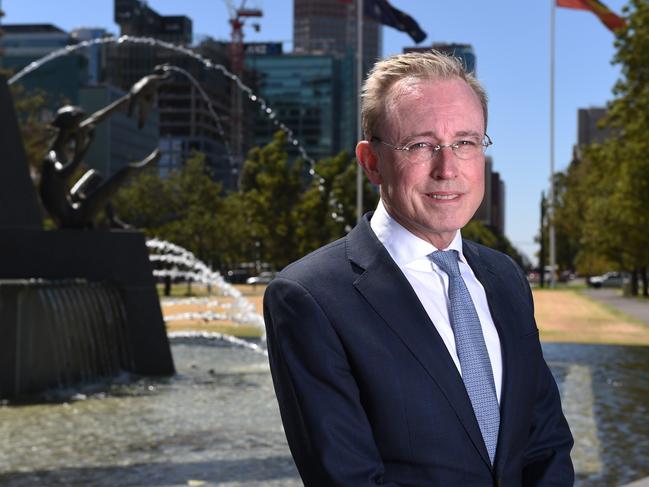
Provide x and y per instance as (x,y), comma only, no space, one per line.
(18,203)
(119,258)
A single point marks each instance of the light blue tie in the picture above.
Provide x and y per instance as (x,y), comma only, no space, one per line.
(471,350)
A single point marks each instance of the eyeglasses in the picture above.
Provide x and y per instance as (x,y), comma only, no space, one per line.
(424,152)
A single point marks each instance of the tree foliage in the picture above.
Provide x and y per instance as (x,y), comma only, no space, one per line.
(34,121)
(603,197)
(281,212)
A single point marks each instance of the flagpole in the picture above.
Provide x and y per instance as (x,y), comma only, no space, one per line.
(551,205)
(359,82)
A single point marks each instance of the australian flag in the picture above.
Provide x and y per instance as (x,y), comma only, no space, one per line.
(383,12)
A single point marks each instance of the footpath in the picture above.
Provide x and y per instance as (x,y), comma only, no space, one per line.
(633,307)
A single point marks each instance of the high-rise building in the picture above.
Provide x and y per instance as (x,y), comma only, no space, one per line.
(59,79)
(96,54)
(492,209)
(304,91)
(186,122)
(68,80)
(464,52)
(135,18)
(117,140)
(329,27)
(588,129)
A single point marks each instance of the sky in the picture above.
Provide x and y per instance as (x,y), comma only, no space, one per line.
(511,39)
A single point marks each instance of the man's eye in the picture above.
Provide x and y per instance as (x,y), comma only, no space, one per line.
(466,143)
(419,146)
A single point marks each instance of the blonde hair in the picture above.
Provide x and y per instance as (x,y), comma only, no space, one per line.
(429,65)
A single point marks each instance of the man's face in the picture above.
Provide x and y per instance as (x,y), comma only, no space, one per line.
(435,198)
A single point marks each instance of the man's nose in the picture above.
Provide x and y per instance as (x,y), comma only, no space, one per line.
(444,164)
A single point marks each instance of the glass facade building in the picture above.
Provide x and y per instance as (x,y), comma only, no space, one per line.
(304,91)
(59,79)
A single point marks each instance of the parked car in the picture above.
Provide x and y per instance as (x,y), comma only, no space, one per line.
(263,278)
(237,276)
(608,279)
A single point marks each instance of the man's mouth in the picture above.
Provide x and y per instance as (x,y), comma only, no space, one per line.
(443,196)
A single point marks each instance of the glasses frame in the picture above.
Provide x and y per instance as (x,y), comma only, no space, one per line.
(486,142)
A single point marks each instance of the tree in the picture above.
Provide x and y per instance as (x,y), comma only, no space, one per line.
(604,195)
(327,209)
(185,208)
(271,188)
(32,116)
(491,237)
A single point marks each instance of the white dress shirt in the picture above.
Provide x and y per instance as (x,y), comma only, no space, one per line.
(430,284)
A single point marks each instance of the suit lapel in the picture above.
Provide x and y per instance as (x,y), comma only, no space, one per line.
(496,292)
(389,293)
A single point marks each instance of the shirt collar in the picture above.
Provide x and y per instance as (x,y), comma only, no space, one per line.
(403,246)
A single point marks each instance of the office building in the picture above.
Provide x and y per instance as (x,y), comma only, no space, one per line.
(96,54)
(135,18)
(186,122)
(464,52)
(60,79)
(492,209)
(329,27)
(74,79)
(304,91)
(588,129)
(117,140)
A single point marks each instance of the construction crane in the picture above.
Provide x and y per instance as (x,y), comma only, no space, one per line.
(238,17)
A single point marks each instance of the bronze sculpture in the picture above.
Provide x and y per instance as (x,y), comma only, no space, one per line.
(78,207)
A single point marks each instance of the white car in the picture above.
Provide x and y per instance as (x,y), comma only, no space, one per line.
(263,278)
(608,279)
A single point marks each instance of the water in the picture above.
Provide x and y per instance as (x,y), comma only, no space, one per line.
(605,392)
(217,421)
(206,63)
(186,266)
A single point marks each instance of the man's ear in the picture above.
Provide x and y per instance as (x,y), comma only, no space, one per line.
(369,161)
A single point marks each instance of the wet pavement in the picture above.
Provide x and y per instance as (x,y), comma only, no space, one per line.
(217,424)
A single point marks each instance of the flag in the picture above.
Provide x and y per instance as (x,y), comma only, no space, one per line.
(608,18)
(384,13)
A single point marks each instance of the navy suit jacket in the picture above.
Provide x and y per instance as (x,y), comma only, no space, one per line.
(369,394)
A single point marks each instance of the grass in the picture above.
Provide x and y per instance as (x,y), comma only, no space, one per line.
(568,316)
(170,307)
(563,315)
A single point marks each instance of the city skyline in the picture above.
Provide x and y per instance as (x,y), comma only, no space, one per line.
(513,66)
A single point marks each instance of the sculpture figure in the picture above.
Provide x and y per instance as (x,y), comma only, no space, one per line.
(78,207)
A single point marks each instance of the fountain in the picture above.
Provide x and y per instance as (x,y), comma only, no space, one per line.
(75,304)
(106,274)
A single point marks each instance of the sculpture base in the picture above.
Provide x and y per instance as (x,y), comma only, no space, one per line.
(115,260)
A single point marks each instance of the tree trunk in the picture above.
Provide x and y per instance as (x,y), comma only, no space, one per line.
(645,282)
(167,281)
(634,282)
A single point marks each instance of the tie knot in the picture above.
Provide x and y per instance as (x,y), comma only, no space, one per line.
(447,261)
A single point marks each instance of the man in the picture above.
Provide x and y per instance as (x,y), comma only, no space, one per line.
(402,355)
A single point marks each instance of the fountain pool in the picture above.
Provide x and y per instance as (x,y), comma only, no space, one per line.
(217,423)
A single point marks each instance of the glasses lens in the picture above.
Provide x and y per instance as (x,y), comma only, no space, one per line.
(470,148)
(466,150)
(420,155)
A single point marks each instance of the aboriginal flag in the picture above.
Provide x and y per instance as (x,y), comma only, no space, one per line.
(608,18)
(384,13)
